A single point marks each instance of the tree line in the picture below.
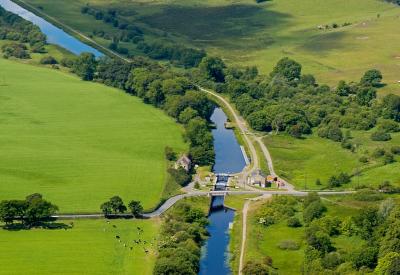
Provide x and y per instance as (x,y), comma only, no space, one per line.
(130,33)
(160,87)
(182,235)
(22,32)
(32,211)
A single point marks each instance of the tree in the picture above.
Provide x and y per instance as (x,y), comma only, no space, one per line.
(313,211)
(391,107)
(136,208)
(366,221)
(85,66)
(169,153)
(38,210)
(293,222)
(365,95)
(372,78)
(288,68)
(389,264)
(187,114)
(366,256)
(114,205)
(117,204)
(255,268)
(213,68)
(11,210)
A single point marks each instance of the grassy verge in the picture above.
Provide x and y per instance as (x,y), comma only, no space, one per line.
(90,247)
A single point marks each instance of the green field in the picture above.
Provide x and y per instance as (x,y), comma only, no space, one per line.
(79,143)
(303,161)
(247,33)
(263,241)
(90,247)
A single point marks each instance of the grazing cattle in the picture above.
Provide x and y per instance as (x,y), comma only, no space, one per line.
(117,237)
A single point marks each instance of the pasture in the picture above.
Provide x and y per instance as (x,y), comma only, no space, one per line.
(265,240)
(246,33)
(90,247)
(303,161)
(79,143)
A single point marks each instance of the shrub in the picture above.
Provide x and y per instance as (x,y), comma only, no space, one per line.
(332,260)
(289,245)
(378,152)
(363,159)
(48,60)
(380,136)
(294,222)
(388,158)
(389,126)
(313,211)
(395,150)
(367,195)
(169,153)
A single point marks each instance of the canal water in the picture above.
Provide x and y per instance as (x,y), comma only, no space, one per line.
(228,155)
(228,159)
(54,34)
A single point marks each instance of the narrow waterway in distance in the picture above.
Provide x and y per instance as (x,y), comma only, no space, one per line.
(228,155)
(54,34)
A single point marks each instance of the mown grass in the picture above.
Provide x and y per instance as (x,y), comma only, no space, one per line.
(303,161)
(79,143)
(90,247)
(247,33)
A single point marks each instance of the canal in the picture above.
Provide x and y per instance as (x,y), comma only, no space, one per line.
(228,155)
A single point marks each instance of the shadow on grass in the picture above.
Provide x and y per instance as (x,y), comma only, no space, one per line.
(42,225)
(216,23)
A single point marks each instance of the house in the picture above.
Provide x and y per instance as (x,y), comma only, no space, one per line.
(184,162)
(258,178)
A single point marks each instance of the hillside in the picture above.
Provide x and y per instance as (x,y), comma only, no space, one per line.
(79,143)
(332,39)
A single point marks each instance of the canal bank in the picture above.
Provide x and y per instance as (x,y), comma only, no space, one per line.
(229,157)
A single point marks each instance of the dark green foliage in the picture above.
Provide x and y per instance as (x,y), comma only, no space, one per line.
(391,107)
(32,211)
(331,131)
(367,195)
(380,136)
(14,27)
(255,268)
(85,66)
(319,240)
(180,176)
(169,153)
(366,222)
(365,257)
(113,206)
(294,222)
(313,211)
(280,207)
(388,126)
(48,60)
(365,95)
(136,208)
(337,181)
(17,50)
(183,233)
(332,260)
(372,78)
(395,150)
(287,68)
(213,68)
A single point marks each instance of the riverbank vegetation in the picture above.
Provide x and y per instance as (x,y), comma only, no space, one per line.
(183,233)
(349,121)
(251,33)
(346,235)
(81,247)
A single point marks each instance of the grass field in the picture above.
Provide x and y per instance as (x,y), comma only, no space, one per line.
(263,241)
(303,161)
(247,33)
(79,143)
(90,247)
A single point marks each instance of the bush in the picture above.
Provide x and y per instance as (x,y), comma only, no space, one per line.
(378,152)
(380,136)
(388,158)
(313,211)
(395,150)
(169,153)
(389,126)
(289,245)
(368,195)
(294,222)
(363,159)
(48,60)
(180,176)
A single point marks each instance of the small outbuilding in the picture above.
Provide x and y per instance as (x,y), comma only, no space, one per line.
(258,178)
(183,162)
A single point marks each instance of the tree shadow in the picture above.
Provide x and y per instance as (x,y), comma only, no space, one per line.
(42,225)
(212,24)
